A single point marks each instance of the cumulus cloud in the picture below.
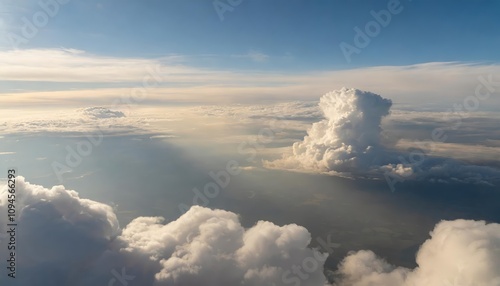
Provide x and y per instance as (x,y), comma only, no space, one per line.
(348,143)
(58,233)
(67,240)
(210,247)
(347,139)
(459,253)
(64,239)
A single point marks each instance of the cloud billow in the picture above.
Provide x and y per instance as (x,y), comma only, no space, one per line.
(460,252)
(347,140)
(67,240)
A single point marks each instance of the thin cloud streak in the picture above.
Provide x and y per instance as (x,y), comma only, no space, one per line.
(436,83)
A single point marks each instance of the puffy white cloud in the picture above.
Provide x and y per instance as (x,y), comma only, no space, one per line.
(459,253)
(364,268)
(63,239)
(57,234)
(66,240)
(348,143)
(346,140)
(210,247)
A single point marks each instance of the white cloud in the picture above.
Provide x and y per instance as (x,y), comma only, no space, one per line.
(210,247)
(459,253)
(163,136)
(363,268)
(67,240)
(346,140)
(57,232)
(348,143)
(180,80)
(69,65)
(90,120)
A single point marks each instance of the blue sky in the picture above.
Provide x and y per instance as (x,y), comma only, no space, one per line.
(288,35)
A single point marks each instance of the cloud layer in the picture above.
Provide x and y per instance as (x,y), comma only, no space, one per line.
(89,120)
(76,77)
(67,240)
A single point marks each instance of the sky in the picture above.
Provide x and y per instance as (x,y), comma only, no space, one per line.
(238,142)
(263,35)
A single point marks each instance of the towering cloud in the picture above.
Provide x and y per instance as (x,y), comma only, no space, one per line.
(348,143)
(347,140)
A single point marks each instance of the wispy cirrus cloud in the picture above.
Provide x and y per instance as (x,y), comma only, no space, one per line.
(70,65)
(68,76)
(254,56)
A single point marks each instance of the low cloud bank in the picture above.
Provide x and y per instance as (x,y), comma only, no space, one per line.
(63,239)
